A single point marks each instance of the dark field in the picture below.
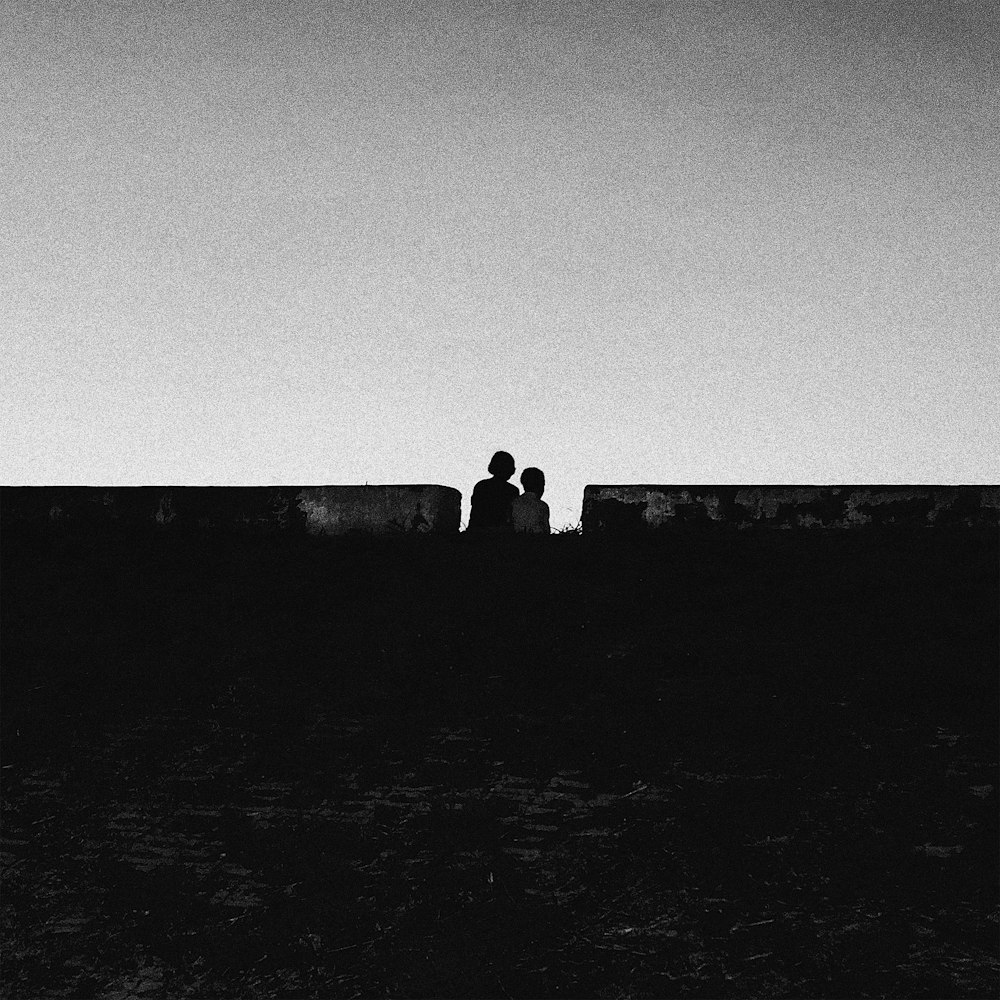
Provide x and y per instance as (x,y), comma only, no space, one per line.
(747,765)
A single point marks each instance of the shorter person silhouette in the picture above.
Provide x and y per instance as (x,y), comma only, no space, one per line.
(492,498)
(529,513)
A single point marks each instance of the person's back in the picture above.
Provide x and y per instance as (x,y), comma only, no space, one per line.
(492,498)
(529,513)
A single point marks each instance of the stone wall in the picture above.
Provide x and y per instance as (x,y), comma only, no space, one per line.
(338,510)
(332,510)
(642,507)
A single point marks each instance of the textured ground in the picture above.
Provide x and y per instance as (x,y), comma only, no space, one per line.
(738,768)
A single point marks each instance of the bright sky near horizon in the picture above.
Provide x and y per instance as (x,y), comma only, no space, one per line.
(277,242)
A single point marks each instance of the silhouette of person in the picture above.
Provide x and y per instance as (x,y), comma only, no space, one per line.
(491,498)
(529,513)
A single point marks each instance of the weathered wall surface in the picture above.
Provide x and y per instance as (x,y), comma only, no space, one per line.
(642,507)
(332,510)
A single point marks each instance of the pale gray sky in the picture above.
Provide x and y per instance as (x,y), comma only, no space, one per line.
(308,243)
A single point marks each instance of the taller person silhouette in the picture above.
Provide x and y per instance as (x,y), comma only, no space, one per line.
(492,498)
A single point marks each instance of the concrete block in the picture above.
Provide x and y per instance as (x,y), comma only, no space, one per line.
(651,507)
(317,510)
(337,510)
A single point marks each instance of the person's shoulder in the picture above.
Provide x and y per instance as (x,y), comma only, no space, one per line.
(512,490)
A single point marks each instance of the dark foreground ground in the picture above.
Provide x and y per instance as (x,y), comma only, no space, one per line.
(760,765)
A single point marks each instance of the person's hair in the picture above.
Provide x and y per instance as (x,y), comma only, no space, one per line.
(533,481)
(502,464)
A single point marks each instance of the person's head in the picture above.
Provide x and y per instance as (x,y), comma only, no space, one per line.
(533,481)
(502,465)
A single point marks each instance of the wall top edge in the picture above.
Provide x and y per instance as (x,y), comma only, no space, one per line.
(790,486)
(266,486)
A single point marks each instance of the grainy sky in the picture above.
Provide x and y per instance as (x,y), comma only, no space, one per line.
(316,243)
